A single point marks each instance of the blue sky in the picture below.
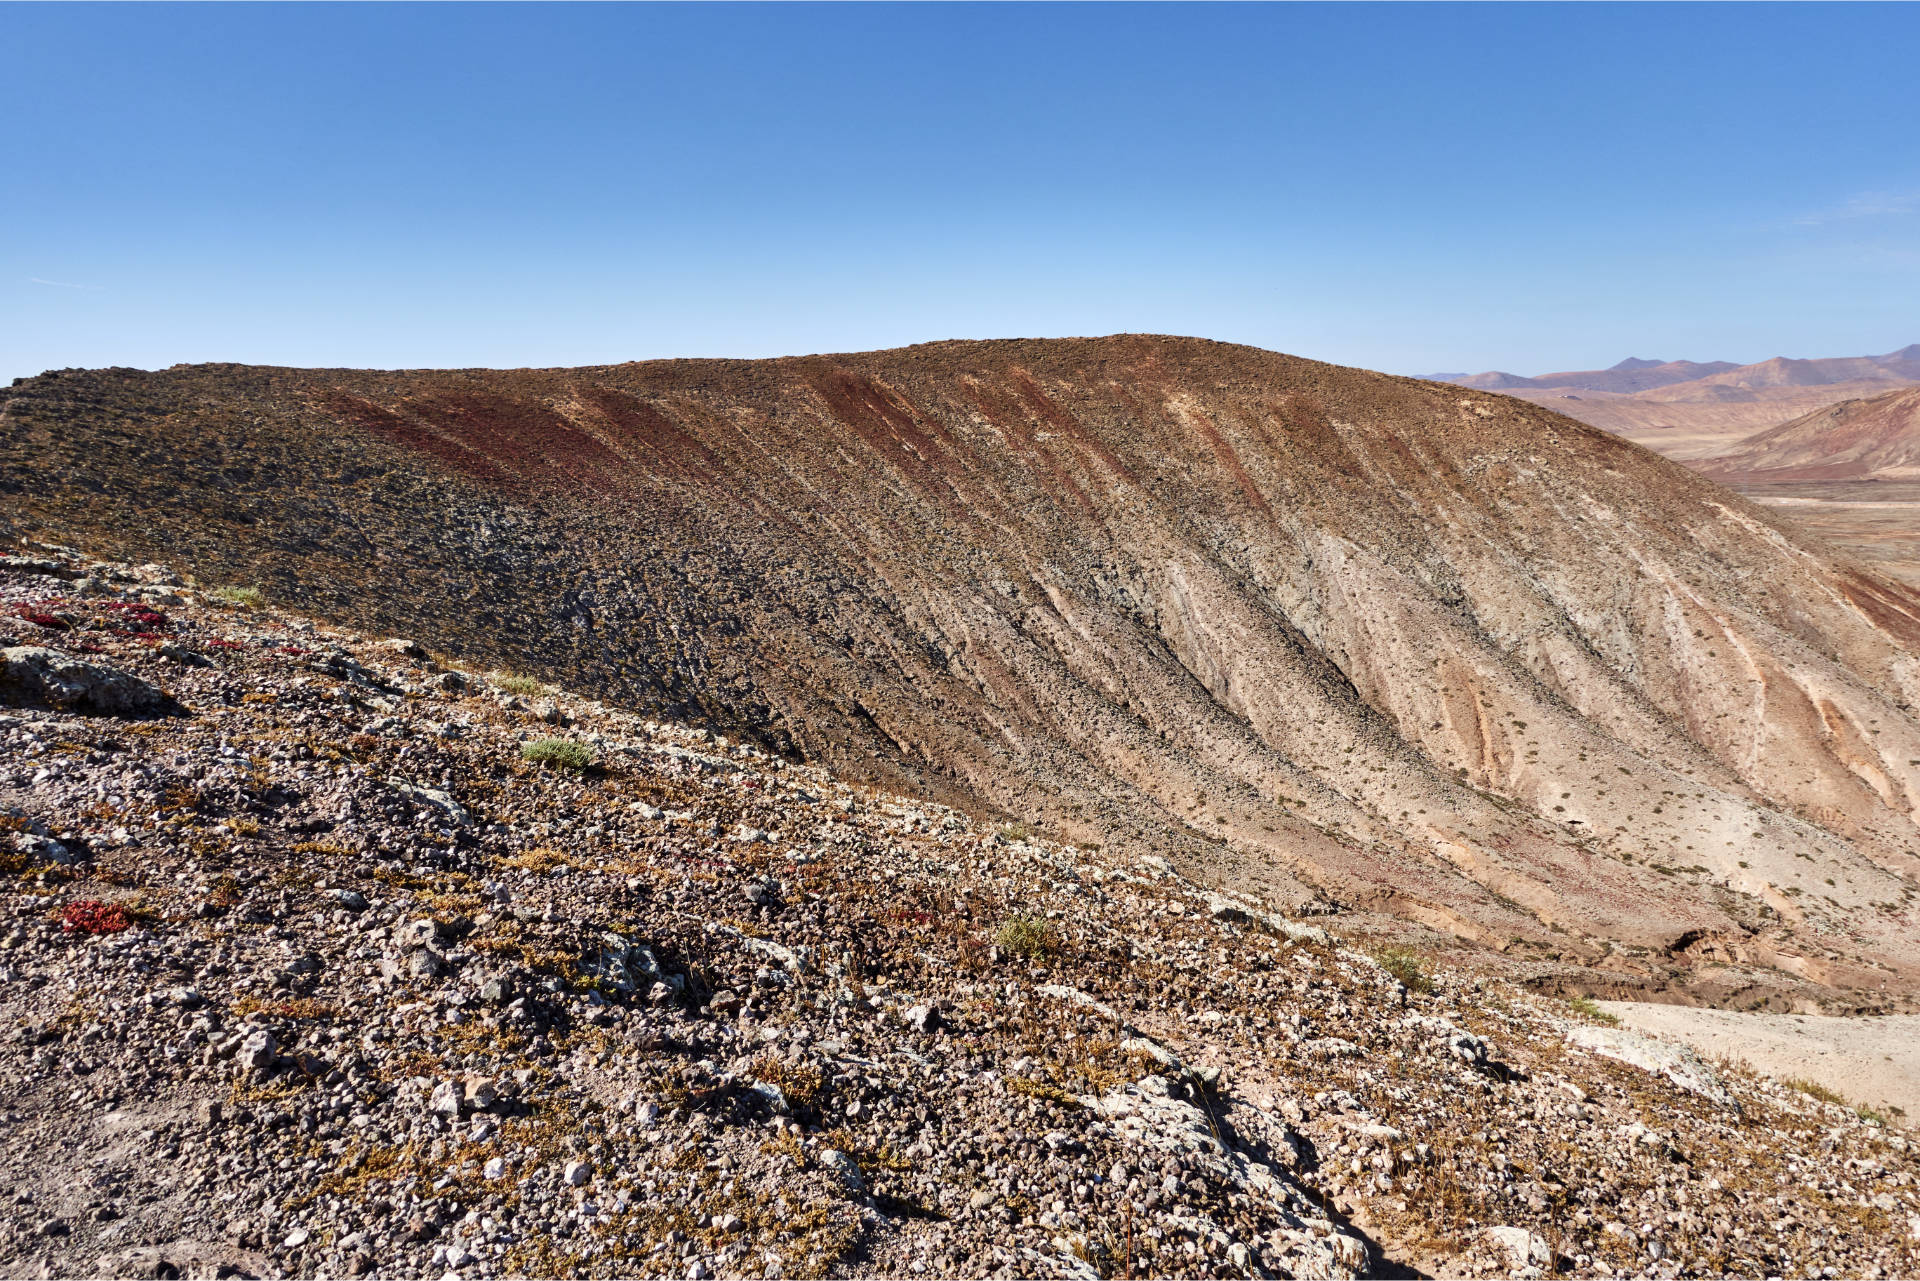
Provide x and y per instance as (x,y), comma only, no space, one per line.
(1407,187)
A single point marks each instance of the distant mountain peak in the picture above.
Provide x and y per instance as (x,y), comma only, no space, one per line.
(1667,380)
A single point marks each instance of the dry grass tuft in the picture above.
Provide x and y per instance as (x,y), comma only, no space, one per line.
(1408,967)
(1026,936)
(560,753)
(239,597)
(1587,1009)
(1815,1090)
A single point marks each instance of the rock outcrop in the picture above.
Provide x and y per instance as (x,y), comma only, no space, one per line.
(33,675)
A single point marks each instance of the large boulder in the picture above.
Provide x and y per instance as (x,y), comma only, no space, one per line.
(33,675)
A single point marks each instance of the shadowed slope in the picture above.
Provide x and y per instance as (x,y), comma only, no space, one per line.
(1346,637)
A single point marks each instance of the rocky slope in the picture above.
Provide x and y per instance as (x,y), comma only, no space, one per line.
(1877,438)
(1347,641)
(321,955)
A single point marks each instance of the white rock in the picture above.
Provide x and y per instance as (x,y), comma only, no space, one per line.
(258,1051)
(432,797)
(1675,1062)
(445,1099)
(1158,1053)
(1527,1253)
(845,1168)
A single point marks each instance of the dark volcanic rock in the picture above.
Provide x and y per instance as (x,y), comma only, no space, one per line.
(33,675)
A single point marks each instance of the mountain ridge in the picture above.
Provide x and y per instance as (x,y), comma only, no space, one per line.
(1352,641)
(1686,379)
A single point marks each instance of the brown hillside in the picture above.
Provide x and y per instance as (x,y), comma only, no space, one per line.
(1873,438)
(1697,428)
(1348,639)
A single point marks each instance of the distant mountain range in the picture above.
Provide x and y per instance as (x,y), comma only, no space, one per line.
(1714,380)
(1689,410)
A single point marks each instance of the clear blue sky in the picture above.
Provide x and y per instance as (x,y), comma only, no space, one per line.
(1411,187)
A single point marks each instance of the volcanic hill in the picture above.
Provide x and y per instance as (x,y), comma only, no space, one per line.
(1340,639)
(1876,438)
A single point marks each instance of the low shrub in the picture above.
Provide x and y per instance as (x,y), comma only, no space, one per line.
(130,618)
(1815,1090)
(558,752)
(244,597)
(512,683)
(1587,1009)
(42,614)
(1409,967)
(91,916)
(1025,936)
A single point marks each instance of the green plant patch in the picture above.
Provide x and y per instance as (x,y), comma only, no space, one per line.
(1409,967)
(560,753)
(1025,936)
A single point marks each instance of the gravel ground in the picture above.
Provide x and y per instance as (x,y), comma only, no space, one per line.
(320,955)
